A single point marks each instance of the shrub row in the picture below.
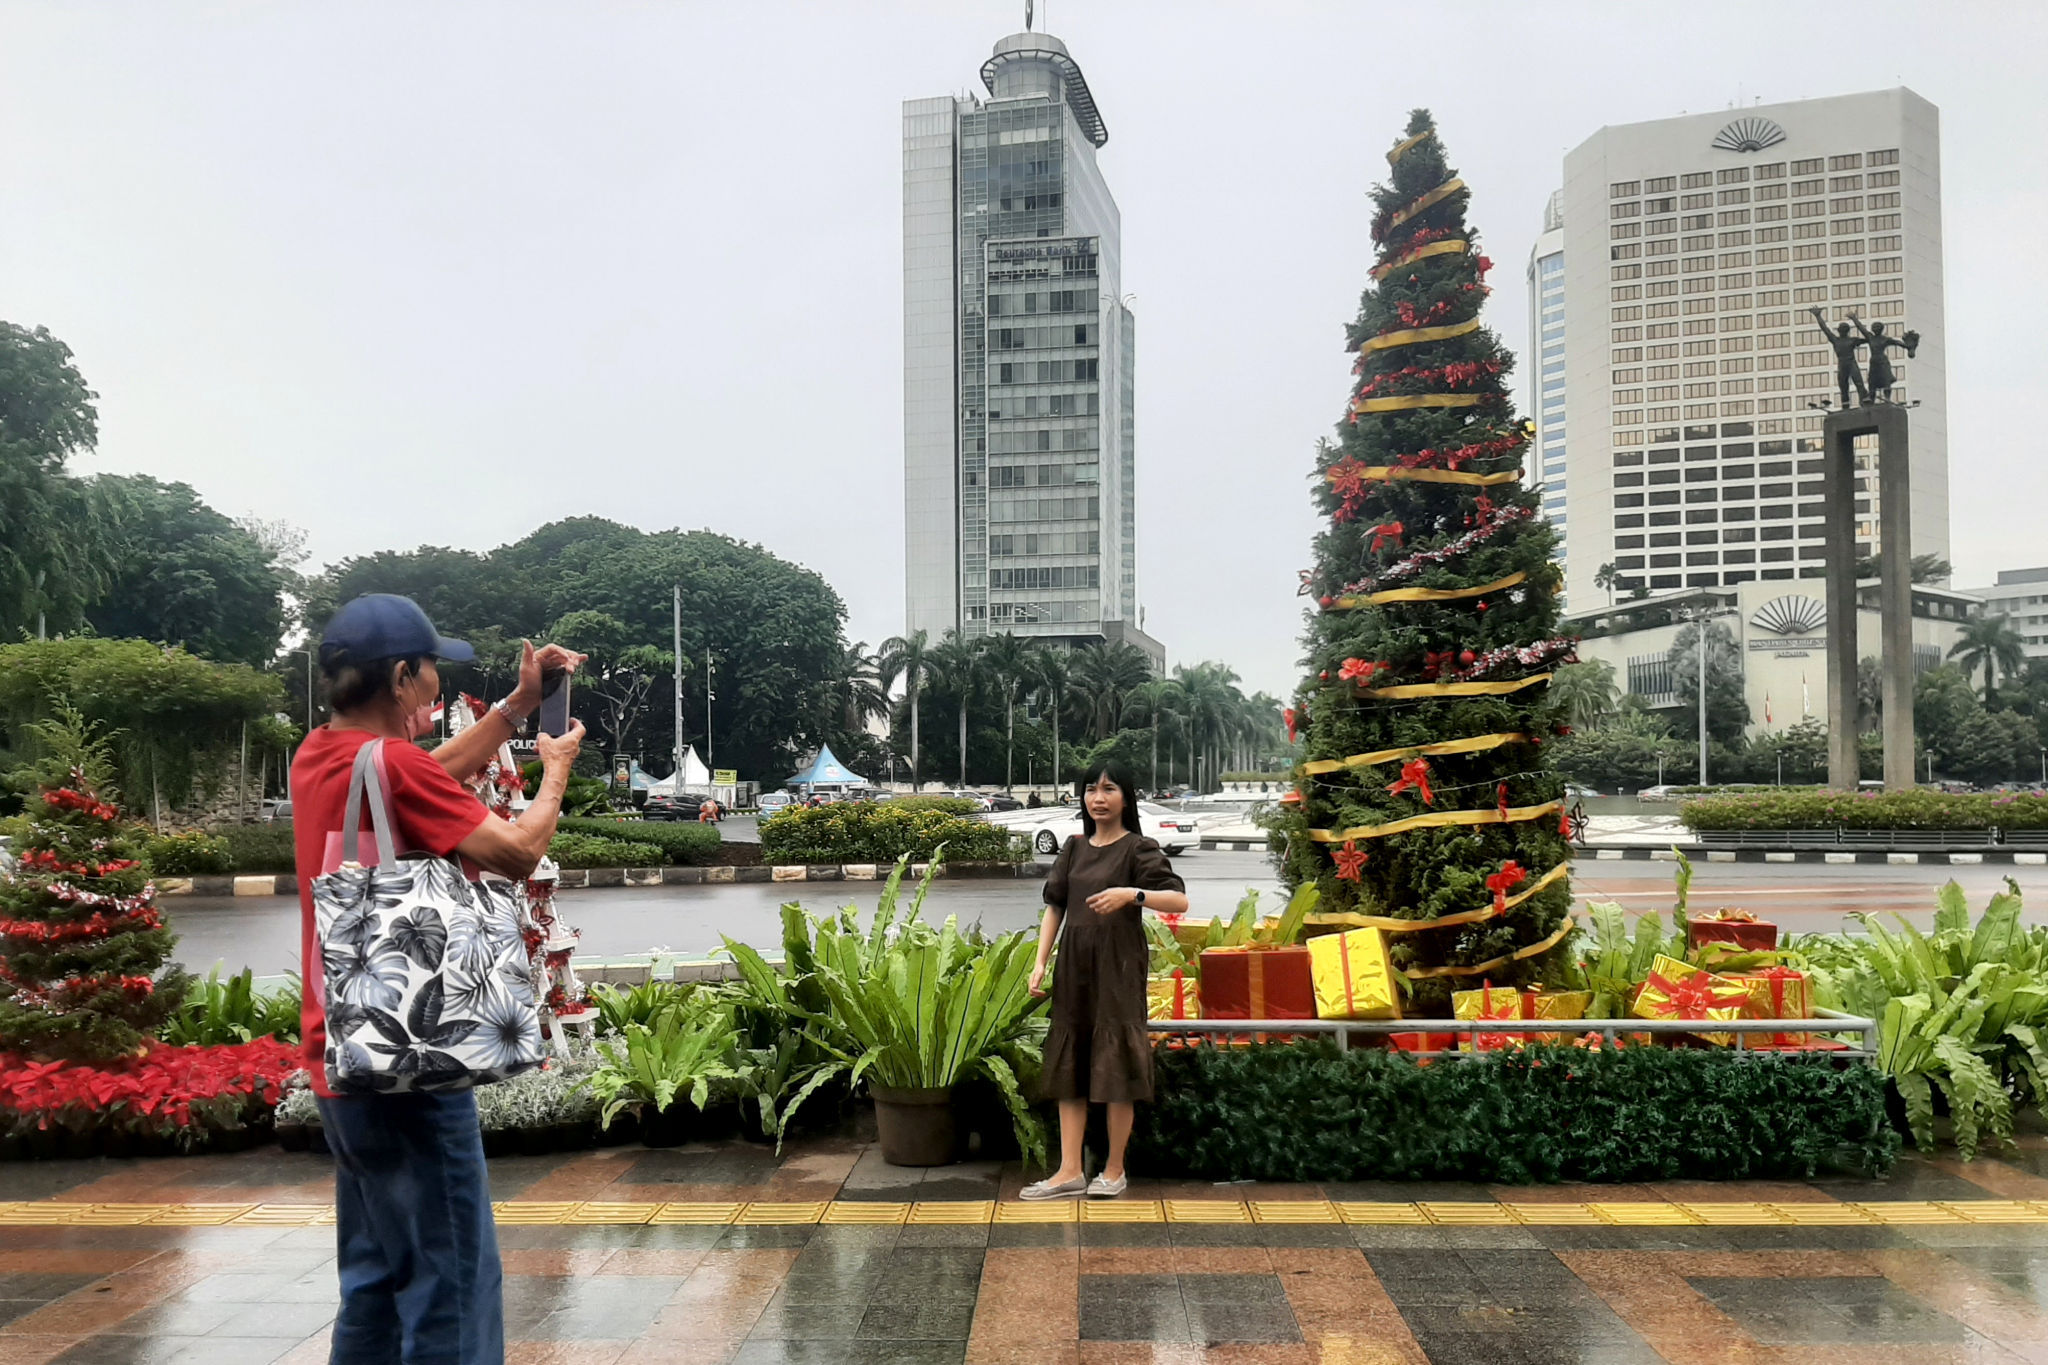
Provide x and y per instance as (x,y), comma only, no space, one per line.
(948,805)
(684,844)
(860,832)
(1308,1112)
(258,849)
(1819,809)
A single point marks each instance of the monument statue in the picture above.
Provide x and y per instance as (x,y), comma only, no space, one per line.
(1845,347)
(1881,376)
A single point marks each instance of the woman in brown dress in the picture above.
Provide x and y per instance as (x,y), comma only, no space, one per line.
(1097,1051)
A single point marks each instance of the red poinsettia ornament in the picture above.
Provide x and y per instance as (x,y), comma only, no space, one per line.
(1350,859)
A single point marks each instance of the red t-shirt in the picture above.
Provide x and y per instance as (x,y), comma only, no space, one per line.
(431,813)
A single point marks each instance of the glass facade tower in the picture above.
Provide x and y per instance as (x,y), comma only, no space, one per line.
(1546,385)
(1020,503)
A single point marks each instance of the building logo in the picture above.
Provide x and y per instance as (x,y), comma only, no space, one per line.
(1795,614)
(1749,135)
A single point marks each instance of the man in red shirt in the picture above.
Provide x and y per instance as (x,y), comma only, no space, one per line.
(417,1249)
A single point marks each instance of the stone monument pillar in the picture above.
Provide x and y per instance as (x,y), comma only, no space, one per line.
(1886,421)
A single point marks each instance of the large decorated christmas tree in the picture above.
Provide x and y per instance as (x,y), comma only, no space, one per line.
(1425,802)
(81,939)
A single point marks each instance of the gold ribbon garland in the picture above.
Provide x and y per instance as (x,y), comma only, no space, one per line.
(1457,245)
(1474,745)
(1393,925)
(1429,594)
(1490,815)
(1407,691)
(1405,402)
(1380,473)
(1427,201)
(1415,336)
(1542,945)
(1403,148)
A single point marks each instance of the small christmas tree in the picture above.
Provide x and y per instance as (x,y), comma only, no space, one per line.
(1424,793)
(81,939)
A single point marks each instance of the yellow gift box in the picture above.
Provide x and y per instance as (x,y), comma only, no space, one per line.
(1679,990)
(1354,979)
(1547,1004)
(1178,996)
(1778,993)
(1488,1002)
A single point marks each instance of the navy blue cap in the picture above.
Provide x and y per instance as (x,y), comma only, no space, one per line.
(382,625)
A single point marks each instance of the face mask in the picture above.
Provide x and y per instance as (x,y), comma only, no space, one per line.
(420,723)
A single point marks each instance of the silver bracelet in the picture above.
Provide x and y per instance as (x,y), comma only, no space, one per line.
(505,711)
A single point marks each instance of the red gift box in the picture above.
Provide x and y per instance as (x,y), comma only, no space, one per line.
(1738,927)
(1258,983)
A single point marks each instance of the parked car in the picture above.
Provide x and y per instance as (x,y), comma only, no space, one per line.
(669,808)
(1000,802)
(774,803)
(277,812)
(1667,791)
(1574,791)
(1171,830)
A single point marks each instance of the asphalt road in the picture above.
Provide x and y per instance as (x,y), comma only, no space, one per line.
(263,932)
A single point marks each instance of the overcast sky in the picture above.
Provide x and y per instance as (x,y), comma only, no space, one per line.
(440,272)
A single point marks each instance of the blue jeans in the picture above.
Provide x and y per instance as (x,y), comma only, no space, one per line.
(416,1245)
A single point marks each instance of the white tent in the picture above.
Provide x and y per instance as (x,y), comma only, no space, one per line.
(695,777)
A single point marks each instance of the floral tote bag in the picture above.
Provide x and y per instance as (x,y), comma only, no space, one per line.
(427,982)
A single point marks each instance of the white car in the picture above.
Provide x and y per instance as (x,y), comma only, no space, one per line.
(1171,830)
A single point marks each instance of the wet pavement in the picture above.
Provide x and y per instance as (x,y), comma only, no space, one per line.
(725,1252)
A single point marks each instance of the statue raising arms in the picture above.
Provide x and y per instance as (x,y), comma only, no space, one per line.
(1881,376)
(1845,347)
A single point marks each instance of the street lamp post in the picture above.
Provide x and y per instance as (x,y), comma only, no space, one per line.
(308,652)
(1699,616)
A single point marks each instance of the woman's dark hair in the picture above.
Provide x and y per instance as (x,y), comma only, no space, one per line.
(1125,783)
(353,684)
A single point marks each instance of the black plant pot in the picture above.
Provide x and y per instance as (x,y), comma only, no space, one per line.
(293,1137)
(670,1127)
(624,1128)
(915,1126)
(750,1122)
(316,1139)
(501,1142)
(717,1123)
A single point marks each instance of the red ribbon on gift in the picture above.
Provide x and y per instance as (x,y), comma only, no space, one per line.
(1386,531)
(1692,996)
(1180,995)
(1778,976)
(1500,883)
(1415,775)
(1494,1042)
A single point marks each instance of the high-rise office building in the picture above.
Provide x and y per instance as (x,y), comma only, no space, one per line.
(1547,370)
(1019,451)
(1693,249)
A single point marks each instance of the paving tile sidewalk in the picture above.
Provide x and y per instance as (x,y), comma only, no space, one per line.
(1437,1273)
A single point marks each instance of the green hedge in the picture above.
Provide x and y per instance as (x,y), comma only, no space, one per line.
(685,844)
(861,832)
(591,850)
(945,805)
(1820,809)
(190,854)
(1307,1112)
(255,849)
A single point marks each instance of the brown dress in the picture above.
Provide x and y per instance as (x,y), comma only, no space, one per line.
(1096,1048)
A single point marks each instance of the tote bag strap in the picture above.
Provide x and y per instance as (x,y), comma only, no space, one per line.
(364,783)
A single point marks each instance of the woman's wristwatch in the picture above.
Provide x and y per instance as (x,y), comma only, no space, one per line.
(1140,901)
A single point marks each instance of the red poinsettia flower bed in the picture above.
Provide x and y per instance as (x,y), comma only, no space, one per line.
(169,1097)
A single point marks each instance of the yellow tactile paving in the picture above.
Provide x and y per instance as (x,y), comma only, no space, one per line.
(864,1211)
(1206,1211)
(1456,1213)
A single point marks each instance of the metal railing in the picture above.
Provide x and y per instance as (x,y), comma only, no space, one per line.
(1610,1031)
(1899,840)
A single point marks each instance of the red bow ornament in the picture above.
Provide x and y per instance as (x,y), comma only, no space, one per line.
(1386,531)
(1500,796)
(1500,883)
(1287,715)
(1350,859)
(1415,775)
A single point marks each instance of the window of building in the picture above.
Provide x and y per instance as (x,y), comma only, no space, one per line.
(1850,161)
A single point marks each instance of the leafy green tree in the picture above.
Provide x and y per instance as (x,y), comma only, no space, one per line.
(184,574)
(1053,671)
(173,719)
(459,589)
(1803,747)
(1157,705)
(51,561)
(1008,660)
(1586,694)
(1431,461)
(1630,752)
(619,671)
(1607,578)
(1928,568)
(962,679)
(1104,674)
(1727,709)
(1990,643)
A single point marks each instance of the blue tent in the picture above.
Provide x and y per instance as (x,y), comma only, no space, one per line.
(827,771)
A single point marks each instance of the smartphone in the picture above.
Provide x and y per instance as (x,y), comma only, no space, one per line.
(554,702)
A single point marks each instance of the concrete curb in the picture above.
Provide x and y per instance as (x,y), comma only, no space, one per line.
(1698,852)
(580,879)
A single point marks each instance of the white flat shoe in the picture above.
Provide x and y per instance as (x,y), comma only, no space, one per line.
(1101,1188)
(1045,1189)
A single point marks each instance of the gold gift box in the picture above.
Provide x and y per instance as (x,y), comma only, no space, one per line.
(1354,978)
(1546,1004)
(1778,993)
(1173,997)
(1488,1002)
(1679,990)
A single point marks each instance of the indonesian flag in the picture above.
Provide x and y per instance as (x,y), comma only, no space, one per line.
(440,710)
(1767,708)
(1805,700)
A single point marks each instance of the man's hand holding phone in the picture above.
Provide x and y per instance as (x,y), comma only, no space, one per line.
(536,668)
(558,752)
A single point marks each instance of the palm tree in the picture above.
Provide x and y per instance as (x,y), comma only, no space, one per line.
(1212,701)
(1586,693)
(957,664)
(1107,673)
(1157,701)
(1608,577)
(857,691)
(1990,643)
(1052,672)
(908,657)
(1009,662)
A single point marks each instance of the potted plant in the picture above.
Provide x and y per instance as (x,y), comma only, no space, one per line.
(652,1069)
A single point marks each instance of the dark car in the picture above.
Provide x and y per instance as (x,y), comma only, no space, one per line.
(1001,802)
(669,808)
